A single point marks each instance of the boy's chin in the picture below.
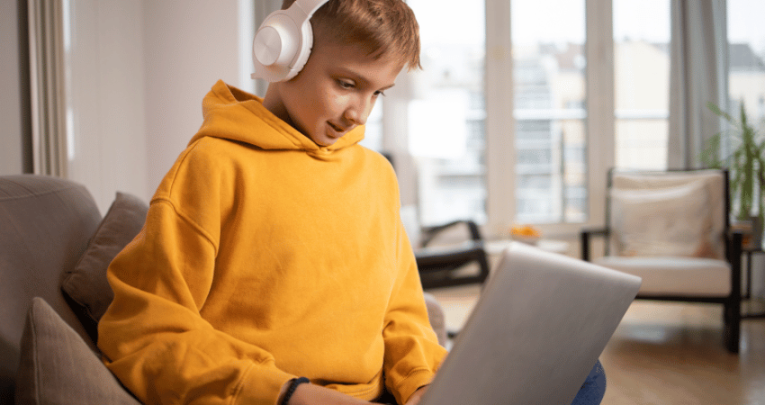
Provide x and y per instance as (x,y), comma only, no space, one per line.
(324,141)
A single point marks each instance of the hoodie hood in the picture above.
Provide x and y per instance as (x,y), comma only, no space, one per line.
(233,114)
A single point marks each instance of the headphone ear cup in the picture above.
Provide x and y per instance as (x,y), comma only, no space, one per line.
(303,52)
(275,47)
(283,42)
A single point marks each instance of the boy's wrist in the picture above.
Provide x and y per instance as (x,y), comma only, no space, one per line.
(289,388)
(309,394)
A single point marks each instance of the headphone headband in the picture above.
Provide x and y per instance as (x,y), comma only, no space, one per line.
(283,42)
(309,6)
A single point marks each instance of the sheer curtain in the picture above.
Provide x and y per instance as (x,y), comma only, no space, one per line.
(48,103)
(697,76)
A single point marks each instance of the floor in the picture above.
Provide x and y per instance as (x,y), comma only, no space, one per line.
(665,353)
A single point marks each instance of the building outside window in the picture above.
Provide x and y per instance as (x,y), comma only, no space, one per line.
(641,83)
(746,59)
(446,112)
(549,109)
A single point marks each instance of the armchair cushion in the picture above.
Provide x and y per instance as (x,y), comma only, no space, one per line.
(86,284)
(679,182)
(58,367)
(672,221)
(675,276)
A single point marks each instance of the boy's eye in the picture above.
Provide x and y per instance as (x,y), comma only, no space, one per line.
(346,84)
(380,93)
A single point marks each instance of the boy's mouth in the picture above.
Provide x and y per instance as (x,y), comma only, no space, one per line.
(338,129)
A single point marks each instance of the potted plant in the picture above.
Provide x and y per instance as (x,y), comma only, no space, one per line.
(746,164)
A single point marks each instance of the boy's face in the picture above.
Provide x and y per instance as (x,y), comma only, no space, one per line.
(334,93)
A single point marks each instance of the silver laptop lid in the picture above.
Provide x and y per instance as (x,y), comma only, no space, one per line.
(537,330)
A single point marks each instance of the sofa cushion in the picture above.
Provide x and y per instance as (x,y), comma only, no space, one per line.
(86,283)
(58,367)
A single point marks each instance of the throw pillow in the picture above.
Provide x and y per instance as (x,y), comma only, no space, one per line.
(58,367)
(672,221)
(86,284)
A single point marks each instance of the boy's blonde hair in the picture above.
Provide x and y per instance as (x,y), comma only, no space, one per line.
(383,27)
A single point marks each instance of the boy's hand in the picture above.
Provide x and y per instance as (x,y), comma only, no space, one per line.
(417,396)
(309,394)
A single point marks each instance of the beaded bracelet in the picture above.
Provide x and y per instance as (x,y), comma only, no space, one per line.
(291,390)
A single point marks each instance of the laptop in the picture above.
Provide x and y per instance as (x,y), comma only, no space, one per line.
(538,328)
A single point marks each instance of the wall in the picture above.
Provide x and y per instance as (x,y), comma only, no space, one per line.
(107,128)
(137,74)
(188,46)
(12,83)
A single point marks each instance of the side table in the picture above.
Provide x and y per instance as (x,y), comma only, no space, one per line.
(495,247)
(748,296)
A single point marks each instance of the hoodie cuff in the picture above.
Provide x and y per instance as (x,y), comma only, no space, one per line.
(261,385)
(416,380)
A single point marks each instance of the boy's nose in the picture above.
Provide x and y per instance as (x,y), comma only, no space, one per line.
(358,113)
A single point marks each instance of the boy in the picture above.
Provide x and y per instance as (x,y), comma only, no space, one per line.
(273,249)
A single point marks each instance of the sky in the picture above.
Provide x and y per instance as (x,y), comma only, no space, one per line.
(745,23)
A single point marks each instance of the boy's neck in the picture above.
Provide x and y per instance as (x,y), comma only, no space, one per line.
(272,102)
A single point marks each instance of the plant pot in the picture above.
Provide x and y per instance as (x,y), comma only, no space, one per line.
(751,230)
(756,240)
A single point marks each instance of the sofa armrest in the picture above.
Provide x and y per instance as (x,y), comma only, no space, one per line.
(436,317)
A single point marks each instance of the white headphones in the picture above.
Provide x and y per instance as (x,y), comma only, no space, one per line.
(283,42)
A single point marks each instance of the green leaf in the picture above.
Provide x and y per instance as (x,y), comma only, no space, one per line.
(715,109)
(742,114)
(745,160)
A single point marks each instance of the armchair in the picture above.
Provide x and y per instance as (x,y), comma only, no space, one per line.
(672,229)
(446,266)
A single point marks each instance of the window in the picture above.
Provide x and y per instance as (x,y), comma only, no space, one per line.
(446,111)
(746,59)
(373,131)
(521,112)
(549,94)
(641,83)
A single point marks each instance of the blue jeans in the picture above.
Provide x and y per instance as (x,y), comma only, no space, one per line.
(594,387)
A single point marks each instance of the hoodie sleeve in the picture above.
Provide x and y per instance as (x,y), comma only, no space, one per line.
(153,336)
(412,352)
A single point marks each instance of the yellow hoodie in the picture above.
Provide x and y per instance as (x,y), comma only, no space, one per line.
(265,257)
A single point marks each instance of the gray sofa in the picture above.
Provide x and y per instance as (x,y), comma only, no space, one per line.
(54,250)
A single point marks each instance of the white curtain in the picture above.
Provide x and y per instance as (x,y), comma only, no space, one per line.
(46,64)
(699,60)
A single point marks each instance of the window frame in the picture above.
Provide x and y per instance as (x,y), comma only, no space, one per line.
(599,120)
(500,122)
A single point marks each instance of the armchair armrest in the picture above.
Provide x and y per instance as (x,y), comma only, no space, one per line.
(429,233)
(732,308)
(735,241)
(585,236)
